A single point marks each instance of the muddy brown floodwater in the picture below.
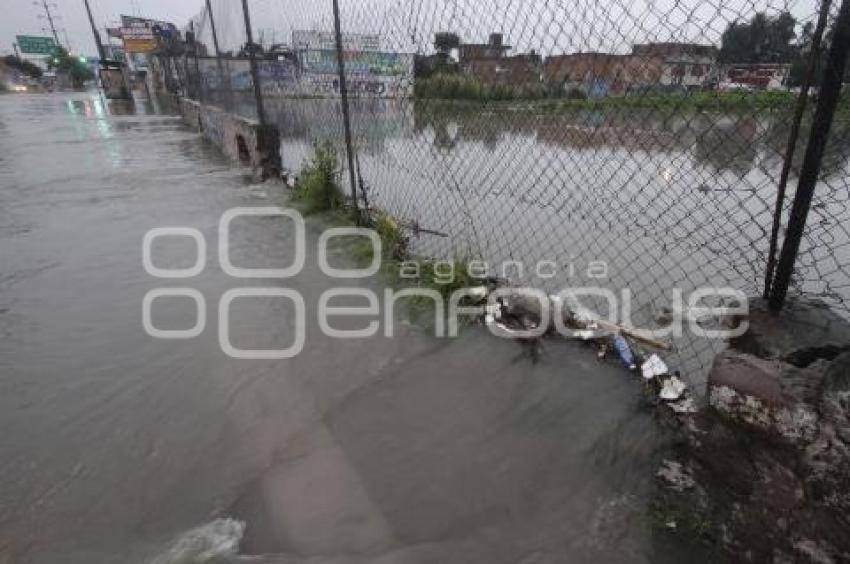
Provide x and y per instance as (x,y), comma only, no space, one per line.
(117,447)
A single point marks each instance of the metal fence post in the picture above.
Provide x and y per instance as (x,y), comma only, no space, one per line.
(198,87)
(792,144)
(828,96)
(346,118)
(255,72)
(219,63)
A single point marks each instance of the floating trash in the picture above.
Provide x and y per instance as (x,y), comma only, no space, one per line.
(653,367)
(619,343)
(477,293)
(684,406)
(672,389)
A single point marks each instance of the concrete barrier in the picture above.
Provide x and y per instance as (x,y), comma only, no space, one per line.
(242,139)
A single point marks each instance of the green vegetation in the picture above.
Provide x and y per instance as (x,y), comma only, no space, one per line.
(24,67)
(433,275)
(704,101)
(457,88)
(393,241)
(77,70)
(317,189)
(763,39)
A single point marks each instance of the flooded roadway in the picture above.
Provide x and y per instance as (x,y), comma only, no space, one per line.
(402,450)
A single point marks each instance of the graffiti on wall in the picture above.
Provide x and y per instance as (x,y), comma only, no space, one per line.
(276,77)
(363,86)
(370,74)
(357,62)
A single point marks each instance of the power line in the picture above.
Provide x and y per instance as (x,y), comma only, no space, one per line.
(45,5)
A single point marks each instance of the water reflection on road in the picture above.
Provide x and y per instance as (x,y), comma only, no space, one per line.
(405,449)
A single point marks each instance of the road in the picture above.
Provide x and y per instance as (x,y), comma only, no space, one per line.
(398,450)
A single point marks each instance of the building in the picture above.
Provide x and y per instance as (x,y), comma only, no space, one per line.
(684,65)
(603,74)
(517,70)
(762,76)
(489,62)
(493,49)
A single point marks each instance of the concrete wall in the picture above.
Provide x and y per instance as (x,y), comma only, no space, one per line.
(243,140)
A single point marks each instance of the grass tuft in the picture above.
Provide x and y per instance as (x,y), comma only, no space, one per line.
(317,189)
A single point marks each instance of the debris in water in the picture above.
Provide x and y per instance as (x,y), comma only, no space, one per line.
(675,476)
(207,543)
(619,343)
(653,367)
(683,407)
(478,293)
(672,389)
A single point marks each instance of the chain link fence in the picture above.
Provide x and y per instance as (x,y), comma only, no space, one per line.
(628,145)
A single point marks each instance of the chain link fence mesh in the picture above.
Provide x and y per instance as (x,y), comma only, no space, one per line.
(630,145)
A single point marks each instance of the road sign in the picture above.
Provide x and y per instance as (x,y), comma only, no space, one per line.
(35,45)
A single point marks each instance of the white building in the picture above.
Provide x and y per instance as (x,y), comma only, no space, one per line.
(684,65)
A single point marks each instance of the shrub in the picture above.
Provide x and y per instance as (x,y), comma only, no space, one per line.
(317,189)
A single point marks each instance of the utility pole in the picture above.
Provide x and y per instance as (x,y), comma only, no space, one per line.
(46,6)
(17,53)
(101,53)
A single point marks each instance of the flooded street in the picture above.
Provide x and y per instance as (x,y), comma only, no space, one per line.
(393,450)
(664,198)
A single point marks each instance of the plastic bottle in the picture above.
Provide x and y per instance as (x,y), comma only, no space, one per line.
(623,351)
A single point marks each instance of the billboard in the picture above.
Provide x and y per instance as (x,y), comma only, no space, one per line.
(326,40)
(142,35)
(369,74)
(357,62)
(35,45)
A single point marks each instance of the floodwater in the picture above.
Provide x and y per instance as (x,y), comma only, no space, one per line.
(118,447)
(663,198)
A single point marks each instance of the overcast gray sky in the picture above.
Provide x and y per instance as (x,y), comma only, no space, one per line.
(549,26)
(22,17)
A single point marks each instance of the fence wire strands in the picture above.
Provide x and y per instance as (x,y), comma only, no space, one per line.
(628,145)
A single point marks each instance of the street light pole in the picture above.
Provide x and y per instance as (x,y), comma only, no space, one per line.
(100,51)
(46,7)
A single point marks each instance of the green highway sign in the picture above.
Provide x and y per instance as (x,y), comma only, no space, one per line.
(36,45)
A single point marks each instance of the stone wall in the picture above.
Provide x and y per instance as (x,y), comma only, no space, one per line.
(243,140)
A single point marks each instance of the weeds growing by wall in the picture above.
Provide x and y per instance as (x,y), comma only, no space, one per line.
(317,189)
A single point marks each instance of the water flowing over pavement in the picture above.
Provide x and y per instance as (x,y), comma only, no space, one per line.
(408,450)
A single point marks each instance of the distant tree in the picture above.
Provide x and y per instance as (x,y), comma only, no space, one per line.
(800,64)
(445,41)
(77,70)
(25,67)
(764,39)
(801,61)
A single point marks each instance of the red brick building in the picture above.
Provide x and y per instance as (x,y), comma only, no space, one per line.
(602,74)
